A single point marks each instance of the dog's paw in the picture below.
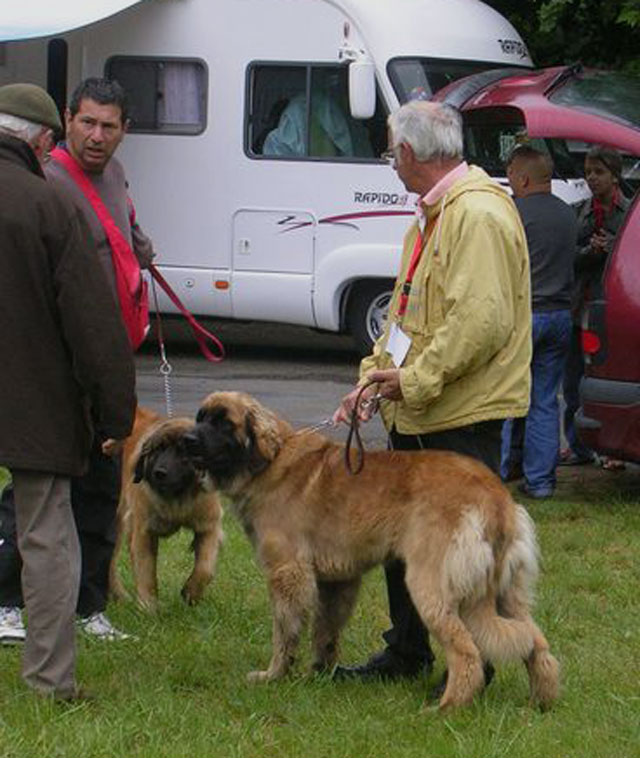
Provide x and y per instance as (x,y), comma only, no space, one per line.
(257,677)
(191,596)
(148,604)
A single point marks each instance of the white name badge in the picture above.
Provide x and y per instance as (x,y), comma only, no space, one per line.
(398,345)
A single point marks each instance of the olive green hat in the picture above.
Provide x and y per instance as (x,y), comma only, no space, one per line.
(30,102)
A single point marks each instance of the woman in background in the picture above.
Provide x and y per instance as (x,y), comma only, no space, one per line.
(599,219)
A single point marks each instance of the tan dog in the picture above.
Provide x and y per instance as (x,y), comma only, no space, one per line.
(470,551)
(162,492)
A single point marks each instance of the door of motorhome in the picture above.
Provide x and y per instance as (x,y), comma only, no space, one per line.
(265,197)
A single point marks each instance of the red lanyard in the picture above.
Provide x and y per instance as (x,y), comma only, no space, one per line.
(418,247)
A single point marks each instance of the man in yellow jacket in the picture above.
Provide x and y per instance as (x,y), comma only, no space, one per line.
(454,358)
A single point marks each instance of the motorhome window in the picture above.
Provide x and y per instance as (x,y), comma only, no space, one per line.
(167,96)
(419,78)
(302,112)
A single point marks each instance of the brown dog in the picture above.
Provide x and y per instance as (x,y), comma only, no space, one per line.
(470,551)
(161,492)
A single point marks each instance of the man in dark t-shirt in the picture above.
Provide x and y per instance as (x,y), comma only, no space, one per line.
(531,445)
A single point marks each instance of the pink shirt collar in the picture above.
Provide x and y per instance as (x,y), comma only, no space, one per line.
(445,184)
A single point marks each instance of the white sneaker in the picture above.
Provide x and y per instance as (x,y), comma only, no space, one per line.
(12,631)
(99,627)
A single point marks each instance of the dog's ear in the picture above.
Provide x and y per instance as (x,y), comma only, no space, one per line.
(139,470)
(263,440)
(255,460)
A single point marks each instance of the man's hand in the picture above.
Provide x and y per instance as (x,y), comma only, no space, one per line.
(388,383)
(112,447)
(365,410)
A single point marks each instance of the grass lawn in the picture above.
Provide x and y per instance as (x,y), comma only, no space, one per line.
(179,691)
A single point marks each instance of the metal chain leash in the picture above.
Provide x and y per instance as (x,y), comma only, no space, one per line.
(165,367)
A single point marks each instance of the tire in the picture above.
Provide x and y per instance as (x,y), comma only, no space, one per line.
(367,312)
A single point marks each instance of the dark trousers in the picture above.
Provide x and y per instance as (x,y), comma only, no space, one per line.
(94,501)
(407,637)
(10,560)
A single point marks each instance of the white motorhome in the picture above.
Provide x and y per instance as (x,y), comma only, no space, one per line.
(266,199)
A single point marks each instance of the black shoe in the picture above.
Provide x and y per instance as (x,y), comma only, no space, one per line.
(78,696)
(515,473)
(385,665)
(436,692)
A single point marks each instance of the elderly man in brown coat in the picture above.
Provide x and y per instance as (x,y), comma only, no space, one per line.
(68,373)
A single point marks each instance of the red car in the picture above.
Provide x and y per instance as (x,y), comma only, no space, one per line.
(609,420)
(503,107)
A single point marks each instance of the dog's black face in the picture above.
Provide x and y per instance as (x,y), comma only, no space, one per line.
(167,468)
(222,447)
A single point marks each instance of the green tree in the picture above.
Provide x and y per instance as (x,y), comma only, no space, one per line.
(601,33)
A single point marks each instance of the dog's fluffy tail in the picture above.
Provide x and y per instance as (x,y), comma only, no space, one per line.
(520,567)
(495,608)
(495,599)
(498,638)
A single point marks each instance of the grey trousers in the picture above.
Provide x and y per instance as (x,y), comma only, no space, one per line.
(48,543)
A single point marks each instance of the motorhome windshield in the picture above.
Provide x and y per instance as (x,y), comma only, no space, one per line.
(419,78)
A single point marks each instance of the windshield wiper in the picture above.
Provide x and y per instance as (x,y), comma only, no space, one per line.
(567,73)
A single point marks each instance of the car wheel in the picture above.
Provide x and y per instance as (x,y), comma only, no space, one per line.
(367,312)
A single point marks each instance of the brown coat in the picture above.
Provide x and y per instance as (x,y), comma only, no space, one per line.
(67,365)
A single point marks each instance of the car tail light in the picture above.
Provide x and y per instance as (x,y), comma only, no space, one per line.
(590,342)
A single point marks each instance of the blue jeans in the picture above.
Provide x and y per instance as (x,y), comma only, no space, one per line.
(541,441)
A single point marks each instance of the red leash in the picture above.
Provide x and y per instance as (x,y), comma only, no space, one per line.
(199,332)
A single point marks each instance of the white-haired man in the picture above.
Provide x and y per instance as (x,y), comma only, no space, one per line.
(68,374)
(453,362)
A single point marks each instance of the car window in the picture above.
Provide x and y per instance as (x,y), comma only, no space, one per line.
(604,93)
(490,136)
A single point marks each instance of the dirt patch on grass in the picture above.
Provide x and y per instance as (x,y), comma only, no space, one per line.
(592,483)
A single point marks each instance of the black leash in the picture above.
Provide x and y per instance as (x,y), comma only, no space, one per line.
(354,432)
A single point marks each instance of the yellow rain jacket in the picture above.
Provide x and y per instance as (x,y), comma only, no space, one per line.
(468,314)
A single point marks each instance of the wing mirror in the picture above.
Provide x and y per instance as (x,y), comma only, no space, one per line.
(362,88)
(362,79)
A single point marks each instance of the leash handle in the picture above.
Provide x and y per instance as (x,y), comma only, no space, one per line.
(354,433)
(199,332)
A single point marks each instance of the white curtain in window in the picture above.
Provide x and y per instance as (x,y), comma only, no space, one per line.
(181,97)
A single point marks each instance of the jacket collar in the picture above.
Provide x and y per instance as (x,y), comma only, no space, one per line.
(18,151)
